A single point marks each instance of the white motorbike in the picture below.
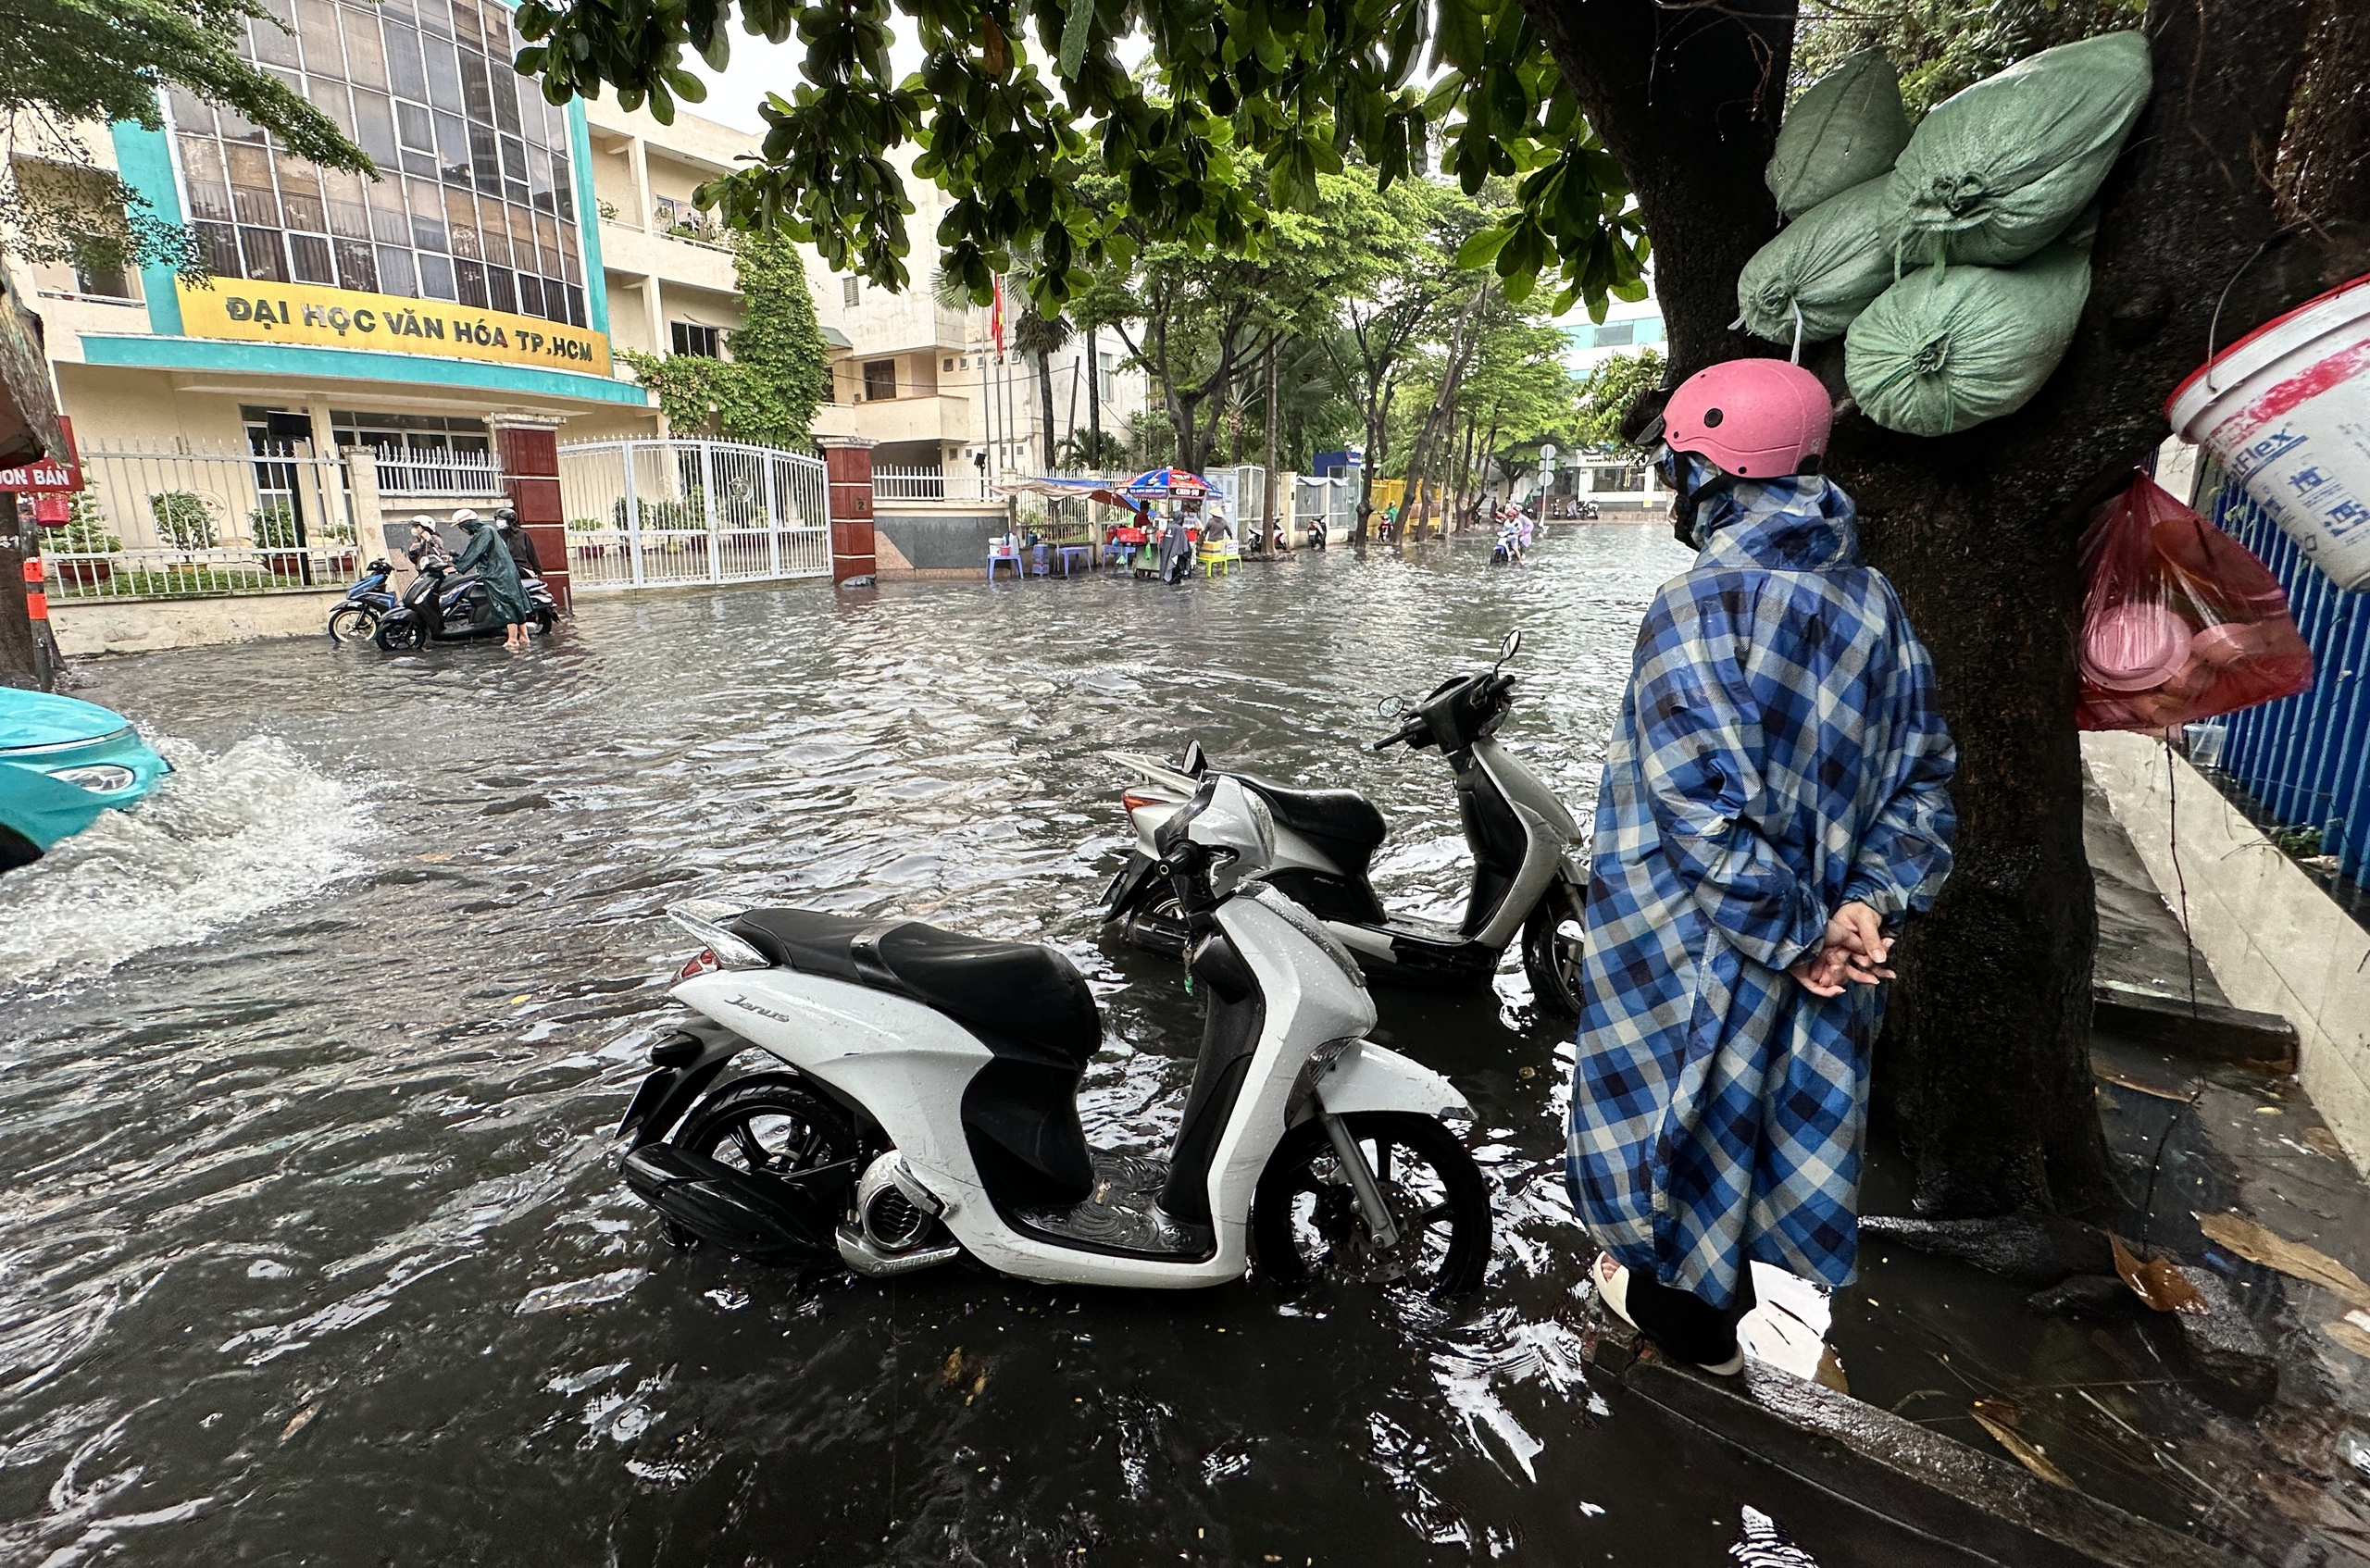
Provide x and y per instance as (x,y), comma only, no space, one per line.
(1525,880)
(920,1103)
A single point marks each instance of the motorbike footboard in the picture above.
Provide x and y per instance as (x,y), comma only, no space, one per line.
(771,1219)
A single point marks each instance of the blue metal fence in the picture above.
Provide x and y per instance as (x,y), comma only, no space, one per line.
(2307,760)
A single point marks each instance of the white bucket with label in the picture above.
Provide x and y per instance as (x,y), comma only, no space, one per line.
(2286,410)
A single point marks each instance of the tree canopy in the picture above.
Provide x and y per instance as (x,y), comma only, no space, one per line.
(72,61)
(1235,115)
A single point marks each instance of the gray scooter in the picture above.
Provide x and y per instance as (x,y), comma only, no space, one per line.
(1526,879)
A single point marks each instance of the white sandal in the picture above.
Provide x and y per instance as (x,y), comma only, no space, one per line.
(1613,1289)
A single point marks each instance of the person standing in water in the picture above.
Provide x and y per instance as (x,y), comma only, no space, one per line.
(489,558)
(1775,803)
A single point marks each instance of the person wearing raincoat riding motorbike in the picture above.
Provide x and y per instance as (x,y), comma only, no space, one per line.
(489,558)
(1775,803)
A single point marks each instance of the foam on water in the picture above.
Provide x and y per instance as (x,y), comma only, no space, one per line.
(224,839)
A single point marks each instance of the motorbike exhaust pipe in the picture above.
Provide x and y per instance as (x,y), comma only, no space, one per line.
(770,1219)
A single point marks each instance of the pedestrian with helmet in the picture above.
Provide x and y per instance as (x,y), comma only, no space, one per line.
(487,555)
(1775,804)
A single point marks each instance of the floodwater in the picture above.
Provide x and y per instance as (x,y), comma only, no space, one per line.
(312,1247)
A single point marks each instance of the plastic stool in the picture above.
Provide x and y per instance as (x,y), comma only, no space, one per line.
(1073,554)
(997,558)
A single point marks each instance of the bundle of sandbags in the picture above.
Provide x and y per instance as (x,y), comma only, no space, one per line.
(1905,261)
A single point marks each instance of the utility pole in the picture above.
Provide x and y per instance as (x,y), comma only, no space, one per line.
(1094,403)
(1267,465)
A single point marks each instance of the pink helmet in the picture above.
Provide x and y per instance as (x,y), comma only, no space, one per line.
(1753,418)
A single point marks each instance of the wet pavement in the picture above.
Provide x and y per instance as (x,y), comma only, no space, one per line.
(312,1243)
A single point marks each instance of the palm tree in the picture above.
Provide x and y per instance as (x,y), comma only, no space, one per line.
(1040,337)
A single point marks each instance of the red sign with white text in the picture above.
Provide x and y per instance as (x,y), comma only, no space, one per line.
(55,473)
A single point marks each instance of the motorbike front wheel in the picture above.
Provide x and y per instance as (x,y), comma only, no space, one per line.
(1552,950)
(1304,1220)
(400,637)
(352,623)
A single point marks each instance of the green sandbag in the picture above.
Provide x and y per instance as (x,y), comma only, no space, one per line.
(1830,262)
(1996,171)
(1845,130)
(1947,348)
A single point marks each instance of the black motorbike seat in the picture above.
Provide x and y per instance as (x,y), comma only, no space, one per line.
(1343,814)
(1024,994)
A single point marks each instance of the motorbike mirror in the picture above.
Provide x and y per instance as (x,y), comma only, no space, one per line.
(1194,763)
(1511,646)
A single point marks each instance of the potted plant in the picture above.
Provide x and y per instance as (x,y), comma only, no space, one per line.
(184,523)
(588,525)
(272,529)
(85,534)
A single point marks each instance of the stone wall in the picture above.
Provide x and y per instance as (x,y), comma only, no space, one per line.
(144,626)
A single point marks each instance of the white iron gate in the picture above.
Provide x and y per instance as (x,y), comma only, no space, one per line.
(645,514)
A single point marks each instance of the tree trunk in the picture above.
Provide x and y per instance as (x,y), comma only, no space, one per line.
(1045,408)
(1267,530)
(1094,403)
(1984,1065)
(27,653)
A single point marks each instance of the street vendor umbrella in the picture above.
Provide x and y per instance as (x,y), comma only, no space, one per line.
(1162,484)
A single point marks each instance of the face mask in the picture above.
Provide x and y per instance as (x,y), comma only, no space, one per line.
(1679,471)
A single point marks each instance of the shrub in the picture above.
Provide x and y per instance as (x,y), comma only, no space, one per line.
(182,520)
(85,532)
(273,526)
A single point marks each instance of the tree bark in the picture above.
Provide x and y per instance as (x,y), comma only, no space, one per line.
(1983,1068)
(1094,403)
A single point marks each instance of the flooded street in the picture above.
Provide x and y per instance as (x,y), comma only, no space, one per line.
(314,1249)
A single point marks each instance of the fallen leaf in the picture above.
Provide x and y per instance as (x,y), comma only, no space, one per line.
(953,1372)
(1830,1370)
(2125,1080)
(2353,1337)
(979,1386)
(2157,1282)
(1994,1407)
(516,999)
(2025,1452)
(434,859)
(2258,1244)
(2323,1142)
(299,1421)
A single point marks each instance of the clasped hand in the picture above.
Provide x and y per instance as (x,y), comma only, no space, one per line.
(1853,950)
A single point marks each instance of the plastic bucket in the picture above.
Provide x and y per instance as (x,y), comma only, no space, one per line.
(2286,410)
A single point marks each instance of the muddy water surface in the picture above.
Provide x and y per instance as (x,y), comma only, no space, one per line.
(311,1244)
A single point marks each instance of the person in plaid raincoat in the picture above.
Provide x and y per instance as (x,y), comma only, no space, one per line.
(1775,801)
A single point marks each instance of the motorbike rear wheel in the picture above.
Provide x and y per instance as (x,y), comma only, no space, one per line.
(1551,948)
(352,623)
(769,1125)
(400,637)
(1305,1224)
(545,620)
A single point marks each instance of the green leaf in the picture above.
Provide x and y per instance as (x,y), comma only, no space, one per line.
(1483,248)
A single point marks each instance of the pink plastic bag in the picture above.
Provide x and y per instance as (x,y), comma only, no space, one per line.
(2179,621)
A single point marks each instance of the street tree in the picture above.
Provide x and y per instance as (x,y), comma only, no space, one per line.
(1612,390)
(1616,120)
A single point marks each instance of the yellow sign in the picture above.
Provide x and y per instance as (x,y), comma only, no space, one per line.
(319,317)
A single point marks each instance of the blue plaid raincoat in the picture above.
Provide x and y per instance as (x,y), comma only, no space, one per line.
(1779,752)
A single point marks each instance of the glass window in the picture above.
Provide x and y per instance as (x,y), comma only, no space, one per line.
(880,379)
(220,246)
(274,33)
(374,125)
(502,289)
(505,86)
(444,76)
(470,275)
(310,259)
(395,272)
(106,280)
(415,126)
(300,196)
(465,24)
(356,266)
(483,160)
(453,149)
(531,294)
(691,338)
(404,73)
(495,239)
(475,95)
(366,59)
(563,187)
(202,178)
(435,17)
(252,198)
(317,27)
(191,114)
(389,222)
(259,250)
(461,222)
(436,276)
(1615,334)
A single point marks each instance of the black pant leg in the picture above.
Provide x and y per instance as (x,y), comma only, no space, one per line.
(1684,1325)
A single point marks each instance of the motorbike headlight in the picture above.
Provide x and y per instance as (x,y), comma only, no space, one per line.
(100,779)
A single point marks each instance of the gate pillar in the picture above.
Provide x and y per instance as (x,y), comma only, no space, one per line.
(848,463)
(529,448)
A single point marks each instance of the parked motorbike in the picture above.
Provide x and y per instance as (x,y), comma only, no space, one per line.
(1524,879)
(445,608)
(1586,512)
(1316,534)
(920,1103)
(356,617)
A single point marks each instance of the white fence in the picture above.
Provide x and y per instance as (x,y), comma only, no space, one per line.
(416,472)
(644,514)
(170,523)
(925,484)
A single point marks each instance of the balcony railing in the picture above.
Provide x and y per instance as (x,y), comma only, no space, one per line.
(413,472)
